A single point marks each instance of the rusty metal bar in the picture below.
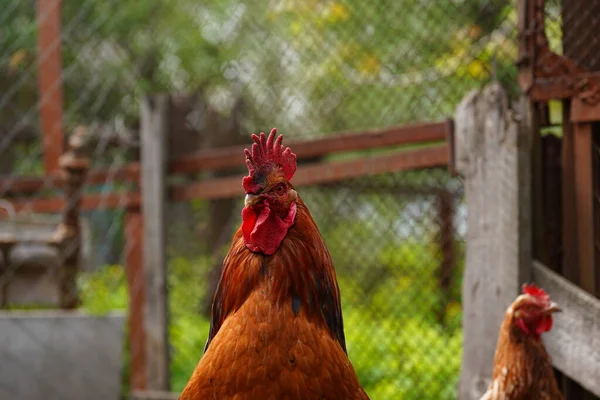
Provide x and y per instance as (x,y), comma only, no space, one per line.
(135,281)
(570,254)
(6,244)
(50,82)
(584,203)
(596,192)
(75,165)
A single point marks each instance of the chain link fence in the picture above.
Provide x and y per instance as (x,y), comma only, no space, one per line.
(397,244)
(235,67)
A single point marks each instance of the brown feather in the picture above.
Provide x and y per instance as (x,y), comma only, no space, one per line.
(522,367)
(277,329)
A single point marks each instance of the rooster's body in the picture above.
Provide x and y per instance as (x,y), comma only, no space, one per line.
(522,367)
(277,330)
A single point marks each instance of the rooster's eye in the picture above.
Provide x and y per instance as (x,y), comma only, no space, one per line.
(280,188)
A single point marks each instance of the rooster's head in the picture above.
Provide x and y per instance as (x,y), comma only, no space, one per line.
(532,311)
(271,201)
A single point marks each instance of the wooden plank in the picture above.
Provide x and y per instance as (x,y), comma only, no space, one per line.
(27,184)
(54,205)
(134,230)
(584,204)
(230,156)
(494,156)
(434,156)
(154,131)
(320,173)
(574,340)
(50,81)
(584,112)
(233,156)
(561,87)
(31,184)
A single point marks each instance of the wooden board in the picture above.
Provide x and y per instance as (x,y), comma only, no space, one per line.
(574,340)
(233,156)
(154,131)
(320,173)
(493,155)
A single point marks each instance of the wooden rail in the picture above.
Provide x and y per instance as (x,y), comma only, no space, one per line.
(322,172)
(233,156)
(311,174)
(342,142)
(574,339)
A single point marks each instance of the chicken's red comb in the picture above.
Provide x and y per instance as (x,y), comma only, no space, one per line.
(267,154)
(536,292)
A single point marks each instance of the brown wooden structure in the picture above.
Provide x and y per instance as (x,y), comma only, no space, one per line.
(566,224)
(544,191)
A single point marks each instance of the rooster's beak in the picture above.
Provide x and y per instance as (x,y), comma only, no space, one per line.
(251,199)
(552,308)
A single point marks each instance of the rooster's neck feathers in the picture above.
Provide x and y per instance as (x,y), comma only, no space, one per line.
(299,275)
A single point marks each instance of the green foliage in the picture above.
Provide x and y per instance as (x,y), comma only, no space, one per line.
(420,362)
(104,290)
(188,329)
(101,292)
(310,66)
(396,342)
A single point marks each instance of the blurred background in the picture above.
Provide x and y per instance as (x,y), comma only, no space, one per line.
(314,69)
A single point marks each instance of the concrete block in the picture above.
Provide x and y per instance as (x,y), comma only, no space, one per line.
(60,355)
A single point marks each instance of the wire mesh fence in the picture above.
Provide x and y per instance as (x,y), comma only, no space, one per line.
(571,28)
(397,244)
(307,67)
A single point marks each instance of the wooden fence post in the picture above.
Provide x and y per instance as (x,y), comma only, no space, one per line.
(445,237)
(154,154)
(493,153)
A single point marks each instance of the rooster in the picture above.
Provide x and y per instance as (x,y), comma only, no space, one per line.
(522,367)
(276,330)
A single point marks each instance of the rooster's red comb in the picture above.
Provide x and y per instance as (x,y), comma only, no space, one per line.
(536,292)
(267,153)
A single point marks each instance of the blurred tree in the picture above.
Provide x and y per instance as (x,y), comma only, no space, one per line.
(309,67)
